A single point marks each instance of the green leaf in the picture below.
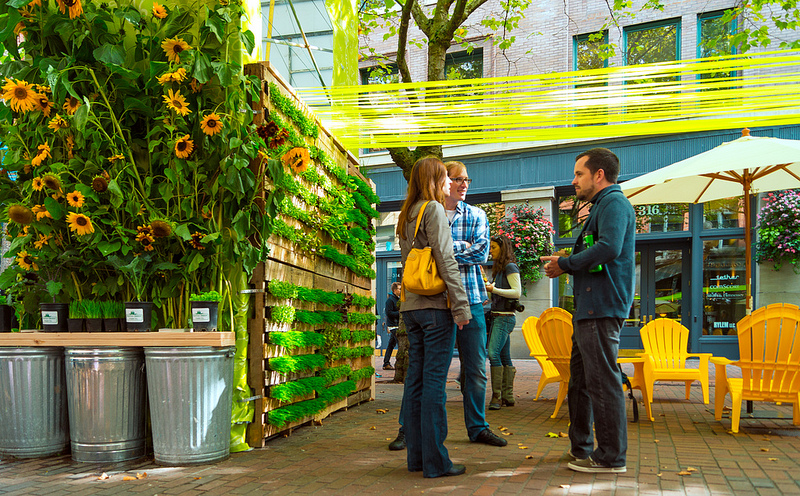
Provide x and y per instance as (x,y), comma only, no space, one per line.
(235,142)
(107,248)
(233,181)
(216,25)
(53,288)
(202,69)
(115,192)
(55,208)
(170,175)
(194,262)
(248,39)
(182,231)
(110,54)
(81,117)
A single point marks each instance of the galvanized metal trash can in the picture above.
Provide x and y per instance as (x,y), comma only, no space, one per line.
(106,396)
(190,391)
(33,402)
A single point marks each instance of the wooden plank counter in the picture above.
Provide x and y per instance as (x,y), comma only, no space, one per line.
(99,339)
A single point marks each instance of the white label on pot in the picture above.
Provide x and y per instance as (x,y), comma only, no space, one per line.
(134,315)
(200,315)
(49,317)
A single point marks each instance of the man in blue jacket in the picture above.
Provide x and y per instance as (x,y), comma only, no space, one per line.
(602,264)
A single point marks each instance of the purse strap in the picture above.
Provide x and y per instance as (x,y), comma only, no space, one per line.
(419,219)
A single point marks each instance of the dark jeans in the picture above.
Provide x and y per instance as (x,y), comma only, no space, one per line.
(472,353)
(499,348)
(595,393)
(431,338)
(390,346)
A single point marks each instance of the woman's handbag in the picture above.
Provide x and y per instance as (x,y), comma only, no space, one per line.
(420,274)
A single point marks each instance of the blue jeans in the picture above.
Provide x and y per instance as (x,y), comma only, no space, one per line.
(472,353)
(595,393)
(499,348)
(431,340)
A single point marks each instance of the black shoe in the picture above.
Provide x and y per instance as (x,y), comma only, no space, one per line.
(399,443)
(387,366)
(488,437)
(456,470)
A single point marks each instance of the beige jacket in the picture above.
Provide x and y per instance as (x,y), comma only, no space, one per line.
(434,231)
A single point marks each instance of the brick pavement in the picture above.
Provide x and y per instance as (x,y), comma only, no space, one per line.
(347,455)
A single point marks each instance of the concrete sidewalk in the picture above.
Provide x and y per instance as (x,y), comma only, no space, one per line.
(348,455)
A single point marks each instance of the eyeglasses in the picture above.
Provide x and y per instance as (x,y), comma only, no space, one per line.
(459,180)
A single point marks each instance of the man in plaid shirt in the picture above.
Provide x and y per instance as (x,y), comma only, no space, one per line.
(470,231)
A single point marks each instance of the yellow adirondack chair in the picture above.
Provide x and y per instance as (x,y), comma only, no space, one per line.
(555,331)
(666,342)
(549,372)
(769,356)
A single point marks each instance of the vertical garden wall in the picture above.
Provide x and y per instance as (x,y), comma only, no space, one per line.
(313,324)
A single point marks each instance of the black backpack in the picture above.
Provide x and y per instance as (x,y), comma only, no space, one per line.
(627,382)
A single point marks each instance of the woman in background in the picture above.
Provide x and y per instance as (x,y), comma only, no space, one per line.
(504,288)
(429,322)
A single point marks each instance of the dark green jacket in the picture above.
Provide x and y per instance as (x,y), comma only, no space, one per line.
(608,293)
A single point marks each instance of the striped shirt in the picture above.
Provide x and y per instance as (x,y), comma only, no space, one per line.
(469,225)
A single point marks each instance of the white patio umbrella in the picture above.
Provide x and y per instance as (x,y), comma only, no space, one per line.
(744,166)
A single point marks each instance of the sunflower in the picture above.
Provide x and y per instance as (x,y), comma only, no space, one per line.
(184,147)
(44,152)
(26,261)
(173,47)
(69,144)
(44,104)
(43,240)
(176,102)
(197,237)
(99,184)
(161,228)
(52,182)
(195,86)
(159,10)
(37,184)
(116,157)
(74,6)
(41,212)
(57,123)
(79,224)
(172,77)
(146,242)
(297,158)
(19,95)
(20,214)
(206,214)
(23,232)
(278,140)
(211,124)
(145,229)
(75,199)
(71,105)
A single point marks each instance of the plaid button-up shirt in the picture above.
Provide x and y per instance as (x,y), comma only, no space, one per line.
(469,225)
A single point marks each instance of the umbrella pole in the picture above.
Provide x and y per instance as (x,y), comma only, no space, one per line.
(747,243)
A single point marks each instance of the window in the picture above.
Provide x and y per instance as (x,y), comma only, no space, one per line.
(590,51)
(463,65)
(653,43)
(723,285)
(713,40)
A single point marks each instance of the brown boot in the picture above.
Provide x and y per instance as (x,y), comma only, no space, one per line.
(507,394)
(497,385)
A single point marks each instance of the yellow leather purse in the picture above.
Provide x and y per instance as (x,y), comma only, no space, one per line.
(420,274)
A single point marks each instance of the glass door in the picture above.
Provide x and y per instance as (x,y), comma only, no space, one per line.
(661,290)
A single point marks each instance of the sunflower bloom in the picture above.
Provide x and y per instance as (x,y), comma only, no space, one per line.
(43,240)
(52,182)
(75,199)
(211,124)
(197,237)
(173,47)
(116,157)
(19,95)
(44,105)
(37,184)
(297,158)
(20,214)
(69,144)
(71,105)
(27,261)
(99,184)
(159,10)
(79,224)
(195,86)
(41,212)
(184,147)
(146,240)
(160,228)
(74,6)
(176,102)
(172,77)
(57,123)
(44,152)
(24,232)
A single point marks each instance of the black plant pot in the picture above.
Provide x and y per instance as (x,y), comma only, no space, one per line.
(94,325)
(138,316)
(204,316)
(76,325)
(54,316)
(7,318)
(111,325)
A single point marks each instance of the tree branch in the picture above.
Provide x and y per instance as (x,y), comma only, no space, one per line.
(402,41)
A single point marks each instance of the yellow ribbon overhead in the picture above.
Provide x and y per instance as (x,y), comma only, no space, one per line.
(689,95)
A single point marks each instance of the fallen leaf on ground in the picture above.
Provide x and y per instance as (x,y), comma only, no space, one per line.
(765,449)
(372,428)
(381,410)
(562,434)
(142,475)
(501,429)
(691,469)
(772,459)
(658,474)
(104,476)
(551,434)
(528,457)
(564,486)
(197,478)
(684,472)
(129,478)
(655,440)
(523,447)
(388,439)
(506,433)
